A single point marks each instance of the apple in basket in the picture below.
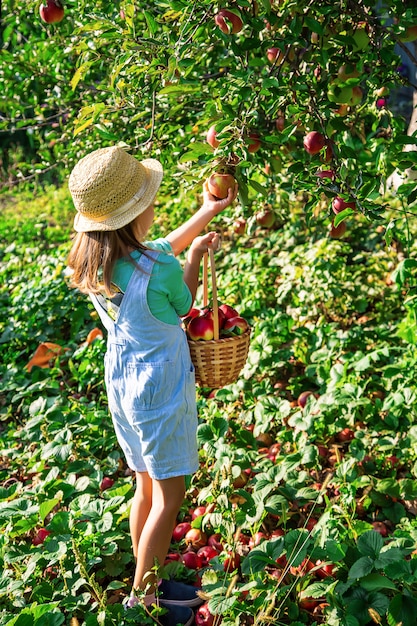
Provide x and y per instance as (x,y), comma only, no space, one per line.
(235,325)
(201,327)
(228,311)
(192,313)
(210,314)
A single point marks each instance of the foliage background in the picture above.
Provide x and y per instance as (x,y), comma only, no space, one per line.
(335,316)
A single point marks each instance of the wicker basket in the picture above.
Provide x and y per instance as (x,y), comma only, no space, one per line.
(217,362)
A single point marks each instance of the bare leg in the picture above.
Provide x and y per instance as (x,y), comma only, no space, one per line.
(167,497)
(140,507)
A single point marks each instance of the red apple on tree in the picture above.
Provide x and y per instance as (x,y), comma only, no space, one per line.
(219,184)
(239,225)
(254,142)
(338,231)
(339,205)
(381,528)
(326,174)
(314,142)
(211,137)
(347,71)
(231,562)
(280,123)
(325,570)
(273,54)
(347,434)
(51,12)
(229,22)
(265,217)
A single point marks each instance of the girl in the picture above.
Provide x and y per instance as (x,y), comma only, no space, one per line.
(139,291)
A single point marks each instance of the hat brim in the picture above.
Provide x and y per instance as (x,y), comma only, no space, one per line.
(154,173)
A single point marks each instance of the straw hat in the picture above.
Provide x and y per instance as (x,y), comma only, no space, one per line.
(110,188)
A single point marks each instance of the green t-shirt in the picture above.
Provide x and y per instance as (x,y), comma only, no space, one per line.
(168,295)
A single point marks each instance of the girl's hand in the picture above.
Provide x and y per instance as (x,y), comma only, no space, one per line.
(202,243)
(215,205)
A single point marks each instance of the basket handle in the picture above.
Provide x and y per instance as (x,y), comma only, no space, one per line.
(213,287)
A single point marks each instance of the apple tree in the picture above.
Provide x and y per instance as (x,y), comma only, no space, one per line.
(292,97)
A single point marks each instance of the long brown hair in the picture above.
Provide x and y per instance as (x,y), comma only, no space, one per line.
(93,255)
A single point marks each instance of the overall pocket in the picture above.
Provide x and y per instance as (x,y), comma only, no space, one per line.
(149,385)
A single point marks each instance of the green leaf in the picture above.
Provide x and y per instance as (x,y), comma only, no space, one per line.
(387,556)
(373,582)
(402,610)
(80,73)
(220,604)
(46,507)
(361,568)
(265,554)
(343,215)
(276,504)
(257,187)
(318,589)
(151,23)
(297,544)
(370,543)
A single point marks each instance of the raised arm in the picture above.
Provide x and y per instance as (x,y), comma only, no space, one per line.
(181,237)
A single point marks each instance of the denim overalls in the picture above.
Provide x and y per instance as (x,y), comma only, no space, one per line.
(150,384)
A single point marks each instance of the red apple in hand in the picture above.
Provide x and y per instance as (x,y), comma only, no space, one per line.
(219,184)
(314,142)
(229,22)
(51,12)
(236,325)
